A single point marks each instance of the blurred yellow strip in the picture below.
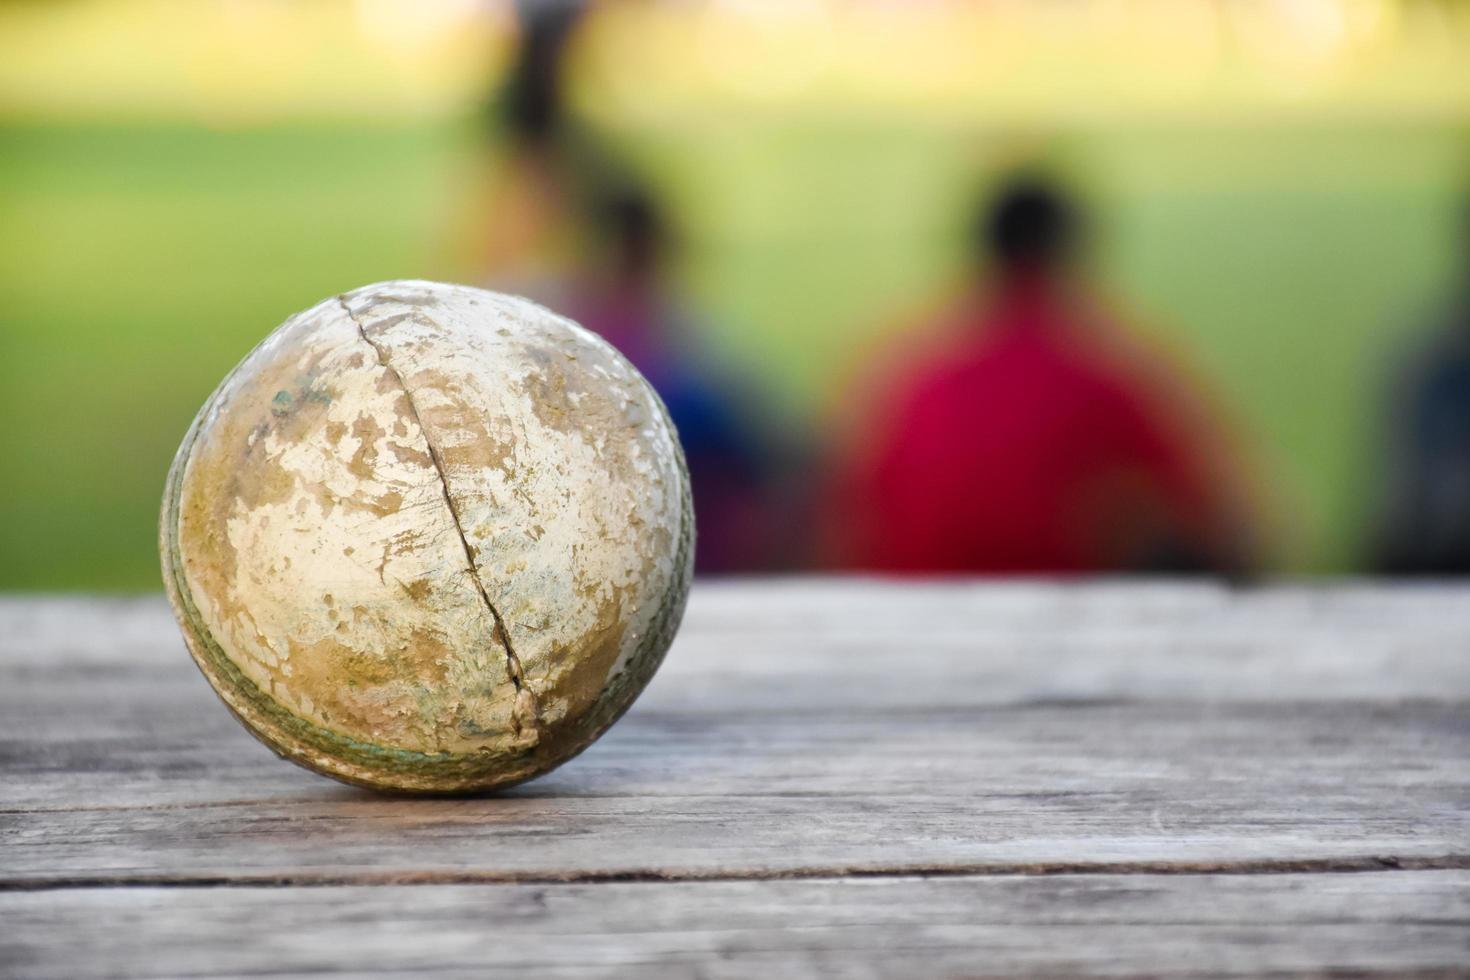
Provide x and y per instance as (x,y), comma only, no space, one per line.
(243,60)
(1029,59)
(230,61)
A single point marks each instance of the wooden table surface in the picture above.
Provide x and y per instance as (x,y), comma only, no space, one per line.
(828,777)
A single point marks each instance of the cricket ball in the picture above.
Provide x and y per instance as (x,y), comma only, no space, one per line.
(429,538)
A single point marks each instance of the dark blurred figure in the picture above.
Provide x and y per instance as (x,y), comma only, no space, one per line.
(532,107)
(1424,526)
(732,466)
(545,169)
(1033,444)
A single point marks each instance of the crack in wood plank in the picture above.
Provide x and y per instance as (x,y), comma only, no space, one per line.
(1362,864)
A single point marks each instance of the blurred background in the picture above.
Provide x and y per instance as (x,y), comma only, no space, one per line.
(1058,286)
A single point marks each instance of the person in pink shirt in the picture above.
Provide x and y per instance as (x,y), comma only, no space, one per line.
(1033,443)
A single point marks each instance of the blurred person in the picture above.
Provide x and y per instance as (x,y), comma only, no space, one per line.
(733,468)
(568,225)
(1033,442)
(1423,527)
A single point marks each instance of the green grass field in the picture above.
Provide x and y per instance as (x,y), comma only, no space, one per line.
(139,262)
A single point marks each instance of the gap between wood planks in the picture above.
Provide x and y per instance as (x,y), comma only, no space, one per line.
(1365,864)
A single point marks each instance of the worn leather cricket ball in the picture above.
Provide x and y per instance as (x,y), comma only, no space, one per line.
(429,538)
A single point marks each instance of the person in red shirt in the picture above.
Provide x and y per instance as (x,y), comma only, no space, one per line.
(1034,444)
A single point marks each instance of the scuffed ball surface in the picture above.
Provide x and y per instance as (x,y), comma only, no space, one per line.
(429,537)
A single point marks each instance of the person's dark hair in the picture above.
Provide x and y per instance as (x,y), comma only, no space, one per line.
(1029,223)
(630,223)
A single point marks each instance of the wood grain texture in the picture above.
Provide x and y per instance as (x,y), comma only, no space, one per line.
(782,642)
(701,793)
(1073,769)
(1403,923)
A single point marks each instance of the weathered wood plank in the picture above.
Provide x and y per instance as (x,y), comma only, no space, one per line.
(795,730)
(804,728)
(156,735)
(701,791)
(867,643)
(1393,923)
